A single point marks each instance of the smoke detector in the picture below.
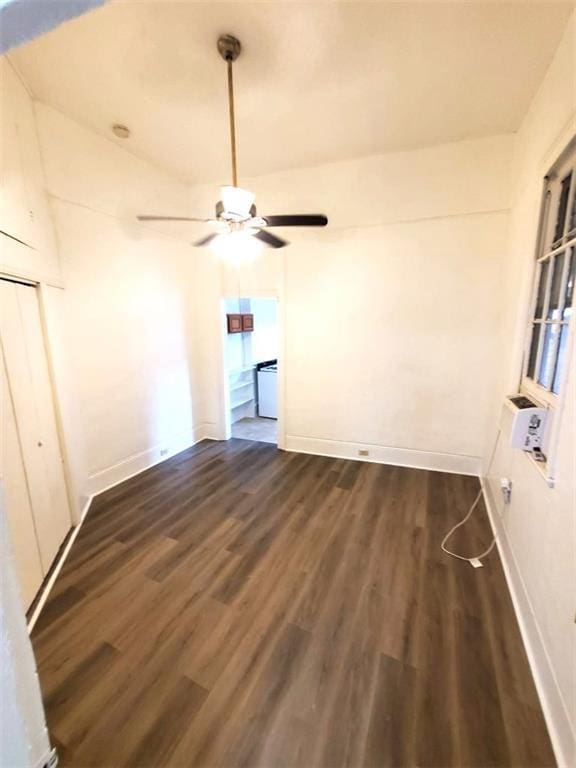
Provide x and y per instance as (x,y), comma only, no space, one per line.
(121,131)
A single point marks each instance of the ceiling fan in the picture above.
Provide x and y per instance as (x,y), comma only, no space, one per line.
(236,212)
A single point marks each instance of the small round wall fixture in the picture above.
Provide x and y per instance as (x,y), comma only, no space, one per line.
(121,131)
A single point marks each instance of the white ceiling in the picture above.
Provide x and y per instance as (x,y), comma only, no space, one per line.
(316,82)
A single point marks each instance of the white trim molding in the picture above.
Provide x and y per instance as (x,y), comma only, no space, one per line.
(47,588)
(127,468)
(457,464)
(551,700)
(209,431)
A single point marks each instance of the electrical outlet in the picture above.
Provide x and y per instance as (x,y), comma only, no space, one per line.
(506,488)
(163,451)
(363,452)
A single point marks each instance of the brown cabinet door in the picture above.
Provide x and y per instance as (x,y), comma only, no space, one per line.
(247,322)
(234,323)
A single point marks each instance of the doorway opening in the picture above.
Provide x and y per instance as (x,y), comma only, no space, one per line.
(251,357)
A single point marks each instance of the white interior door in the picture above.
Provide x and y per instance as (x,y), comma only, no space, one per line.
(17,500)
(33,408)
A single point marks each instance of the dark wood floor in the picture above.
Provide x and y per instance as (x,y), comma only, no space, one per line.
(241,606)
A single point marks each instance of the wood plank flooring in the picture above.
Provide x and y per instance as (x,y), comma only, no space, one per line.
(242,606)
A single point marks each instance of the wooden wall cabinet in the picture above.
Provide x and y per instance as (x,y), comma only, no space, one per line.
(234,323)
(240,323)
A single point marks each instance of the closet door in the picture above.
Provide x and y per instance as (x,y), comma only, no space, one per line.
(16,498)
(31,396)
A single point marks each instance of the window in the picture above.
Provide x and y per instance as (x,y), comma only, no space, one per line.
(547,343)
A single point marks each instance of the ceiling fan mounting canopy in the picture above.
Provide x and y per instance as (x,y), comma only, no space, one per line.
(229,47)
(236,211)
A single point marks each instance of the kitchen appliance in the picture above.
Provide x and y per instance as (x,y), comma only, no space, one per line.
(267,383)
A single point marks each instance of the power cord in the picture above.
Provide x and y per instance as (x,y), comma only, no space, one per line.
(475,562)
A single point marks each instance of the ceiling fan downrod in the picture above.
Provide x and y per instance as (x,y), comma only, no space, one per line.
(229,48)
(235,211)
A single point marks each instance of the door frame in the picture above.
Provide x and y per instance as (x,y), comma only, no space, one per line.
(223,389)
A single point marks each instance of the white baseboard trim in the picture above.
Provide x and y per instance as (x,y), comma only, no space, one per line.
(47,588)
(553,706)
(211,431)
(124,470)
(379,454)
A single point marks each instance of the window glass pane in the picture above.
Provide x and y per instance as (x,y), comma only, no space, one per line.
(562,206)
(553,312)
(569,292)
(533,350)
(547,357)
(560,359)
(544,266)
(572,223)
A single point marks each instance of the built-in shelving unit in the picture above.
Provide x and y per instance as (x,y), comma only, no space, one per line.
(242,393)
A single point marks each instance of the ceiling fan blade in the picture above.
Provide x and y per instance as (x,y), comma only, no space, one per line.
(169,218)
(204,240)
(297,220)
(270,239)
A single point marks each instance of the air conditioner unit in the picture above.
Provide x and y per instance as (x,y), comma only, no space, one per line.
(528,424)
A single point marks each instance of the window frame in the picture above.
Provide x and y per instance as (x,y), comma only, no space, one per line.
(566,245)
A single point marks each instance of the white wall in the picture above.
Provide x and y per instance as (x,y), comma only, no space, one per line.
(24,211)
(119,297)
(538,528)
(392,313)
(128,306)
(238,345)
(265,334)
(23,735)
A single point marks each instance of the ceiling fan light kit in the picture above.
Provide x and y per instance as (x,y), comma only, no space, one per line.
(238,223)
(239,246)
(236,202)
